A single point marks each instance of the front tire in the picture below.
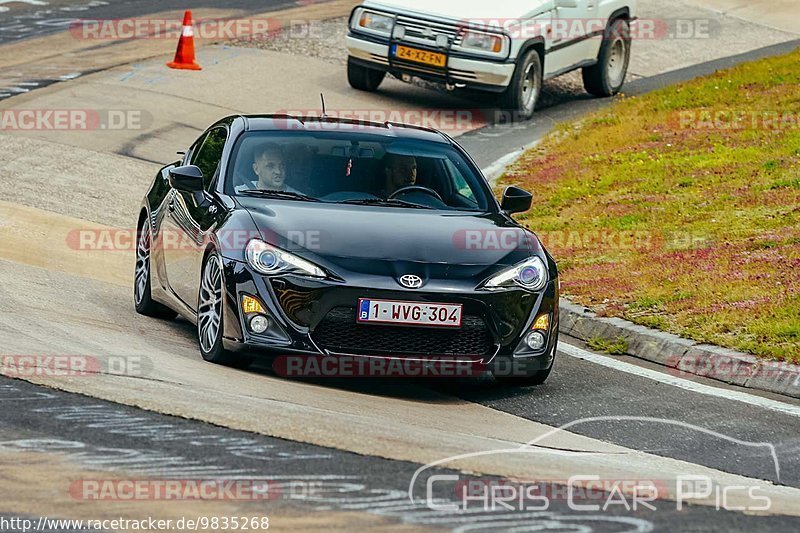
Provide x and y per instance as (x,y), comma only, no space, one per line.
(363,78)
(142,294)
(211,316)
(523,93)
(607,76)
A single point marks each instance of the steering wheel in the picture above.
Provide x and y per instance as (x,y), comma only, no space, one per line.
(415,188)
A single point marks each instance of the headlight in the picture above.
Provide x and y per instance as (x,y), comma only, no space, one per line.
(375,22)
(486,42)
(269,260)
(530,274)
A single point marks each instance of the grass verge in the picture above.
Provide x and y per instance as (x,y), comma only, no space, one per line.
(680,209)
(618,346)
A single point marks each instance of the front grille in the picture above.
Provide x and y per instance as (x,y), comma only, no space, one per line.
(340,333)
(425,32)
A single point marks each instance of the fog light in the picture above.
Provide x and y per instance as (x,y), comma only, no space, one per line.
(259,324)
(535,341)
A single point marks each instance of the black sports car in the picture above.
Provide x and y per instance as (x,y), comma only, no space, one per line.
(335,238)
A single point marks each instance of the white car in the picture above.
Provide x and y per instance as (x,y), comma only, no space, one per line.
(507,47)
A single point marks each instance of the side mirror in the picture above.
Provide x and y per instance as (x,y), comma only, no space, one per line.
(516,200)
(186,179)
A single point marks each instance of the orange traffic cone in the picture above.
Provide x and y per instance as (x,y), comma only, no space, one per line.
(184,55)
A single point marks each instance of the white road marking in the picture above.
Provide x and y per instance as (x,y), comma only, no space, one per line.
(685,384)
(29,2)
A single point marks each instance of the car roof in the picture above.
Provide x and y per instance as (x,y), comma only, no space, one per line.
(328,125)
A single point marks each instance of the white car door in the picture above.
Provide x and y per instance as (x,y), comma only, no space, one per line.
(572,43)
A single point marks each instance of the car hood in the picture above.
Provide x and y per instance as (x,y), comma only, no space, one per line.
(460,10)
(373,239)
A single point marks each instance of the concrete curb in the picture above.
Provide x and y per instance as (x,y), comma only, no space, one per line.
(683,356)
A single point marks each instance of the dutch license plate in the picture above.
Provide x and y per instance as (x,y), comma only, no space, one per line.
(409,313)
(420,56)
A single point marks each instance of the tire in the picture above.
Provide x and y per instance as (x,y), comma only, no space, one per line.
(523,92)
(142,294)
(607,76)
(363,78)
(211,316)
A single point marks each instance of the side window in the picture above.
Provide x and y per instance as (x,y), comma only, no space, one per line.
(460,184)
(189,158)
(208,156)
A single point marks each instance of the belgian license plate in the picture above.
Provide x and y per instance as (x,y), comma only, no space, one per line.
(409,313)
(420,56)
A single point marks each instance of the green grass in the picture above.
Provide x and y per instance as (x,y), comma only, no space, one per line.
(618,346)
(681,209)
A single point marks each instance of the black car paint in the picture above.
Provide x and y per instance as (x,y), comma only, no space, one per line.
(366,249)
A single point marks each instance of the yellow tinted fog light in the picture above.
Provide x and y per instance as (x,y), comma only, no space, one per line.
(250,305)
(542,323)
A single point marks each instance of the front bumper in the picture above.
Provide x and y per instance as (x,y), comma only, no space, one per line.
(316,317)
(486,75)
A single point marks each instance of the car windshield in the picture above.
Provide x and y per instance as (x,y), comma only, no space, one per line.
(356,169)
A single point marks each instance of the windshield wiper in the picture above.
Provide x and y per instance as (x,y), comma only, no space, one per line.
(387,203)
(280,194)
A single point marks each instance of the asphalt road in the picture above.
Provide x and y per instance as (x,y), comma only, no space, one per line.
(349,448)
(580,390)
(92,436)
(36,18)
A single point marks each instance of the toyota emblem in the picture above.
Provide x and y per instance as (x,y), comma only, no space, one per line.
(411,281)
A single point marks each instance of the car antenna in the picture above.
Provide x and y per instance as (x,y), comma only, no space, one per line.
(324,112)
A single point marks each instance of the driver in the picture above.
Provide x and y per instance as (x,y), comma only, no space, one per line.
(269,166)
(401,172)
